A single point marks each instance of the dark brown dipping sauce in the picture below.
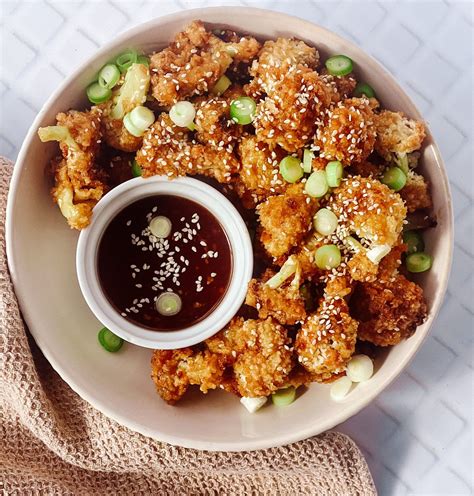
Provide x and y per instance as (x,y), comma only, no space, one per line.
(135,267)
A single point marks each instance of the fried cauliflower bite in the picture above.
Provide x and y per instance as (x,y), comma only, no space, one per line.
(397,134)
(340,87)
(285,220)
(168,150)
(191,65)
(326,341)
(347,132)
(284,303)
(416,193)
(260,353)
(287,116)
(389,309)
(260,174)
(214,126)
(275,58)
(77,185)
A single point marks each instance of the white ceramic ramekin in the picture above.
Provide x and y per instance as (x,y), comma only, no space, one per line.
(208,197)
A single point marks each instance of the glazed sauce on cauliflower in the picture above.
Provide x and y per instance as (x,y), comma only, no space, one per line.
(192,261)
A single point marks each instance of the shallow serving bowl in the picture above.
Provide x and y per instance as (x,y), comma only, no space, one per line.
(41,252)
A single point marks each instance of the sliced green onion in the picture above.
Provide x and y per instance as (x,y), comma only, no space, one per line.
(183,113)
(192,126)
(316,185)
(360,368)
(290,169)
(109,341)
(414,242)
(108,76)
(284,397)
(327,257)
(363,89)
(136,169)
(97,94)
(287,270)
(160,226)
(401,160)
(168,304)
(334,173)
(308,156)
(139,120)
(353,244)
(221,86)
(143,59)
(242,110)
(376,253)
(394,178)
(253,404)
(125,60)
(325,221)
(339,65)
(419,262)
(340,388)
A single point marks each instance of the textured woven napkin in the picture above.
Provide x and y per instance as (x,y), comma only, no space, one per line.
(53,442)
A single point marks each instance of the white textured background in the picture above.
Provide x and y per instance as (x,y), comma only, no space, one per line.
(417,435)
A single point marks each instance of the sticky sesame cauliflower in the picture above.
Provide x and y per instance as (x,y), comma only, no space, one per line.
(327,181)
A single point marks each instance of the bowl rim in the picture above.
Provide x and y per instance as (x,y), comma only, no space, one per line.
(286,437)
(210,199)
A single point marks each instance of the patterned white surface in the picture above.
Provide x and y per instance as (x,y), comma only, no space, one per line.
(418,434)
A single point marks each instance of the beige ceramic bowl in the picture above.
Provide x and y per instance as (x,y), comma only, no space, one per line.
(41,253)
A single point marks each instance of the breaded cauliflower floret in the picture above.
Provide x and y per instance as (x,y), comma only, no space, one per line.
(287,116)
(260,175)
(326,341)
(365,169)
(341,87)
(262,357)
(214,126)
(285,220)
(396,133)
(416,193)
(191,65)
(347,132)
(275,58)
(389,310)
(77,184)
(130,94)
(168,150)
(283,303)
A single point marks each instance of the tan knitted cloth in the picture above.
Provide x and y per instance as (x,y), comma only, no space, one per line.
(53,442)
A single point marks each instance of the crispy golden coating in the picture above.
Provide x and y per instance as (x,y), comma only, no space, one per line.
(115,166)
(275,58)
(347,132)
(341,87)
(285,220)
(285,304)
(117,136)
(287,116)
(214,126)
(191,65)
(388,310)
(260,175)
(397,133)
(365,169)
(77,185)
(369,209)
(326,341)
(168,150)
(416,193)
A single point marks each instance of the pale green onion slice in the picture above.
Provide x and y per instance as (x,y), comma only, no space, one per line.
(253,404)
(327,257)
(360,368)
(129,126)
(363,89)
(414,241)
(290,169)
(136,169)
(221,86)
(353,244)
(287,270)
(160,226)
(142,118)
(334,173)
(376,253)
(183,113)
(418,262)
(109,341)
(316,184)
(339,65)
(308,156)
(394,178)
(108,76)
(126,59)
(97,94)
(284,397)
(242,110)
(168,304)
(401,161)
(340,388)
(143,59)
(325,221)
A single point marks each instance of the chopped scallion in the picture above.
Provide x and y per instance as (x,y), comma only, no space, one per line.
(418,262)
(290,169)
(317,184)
(339,65)
(143,59)
(325,221)
(97,94)
(109,341)
(284,397)
(108,76)
(168,304)
(363,89)
(138,120)
(414,242)
(242,110)
(125,60)
(183,113)
(394,178)
(334,173)
(308,156)
(221,86)
(327,257)
(136,169)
